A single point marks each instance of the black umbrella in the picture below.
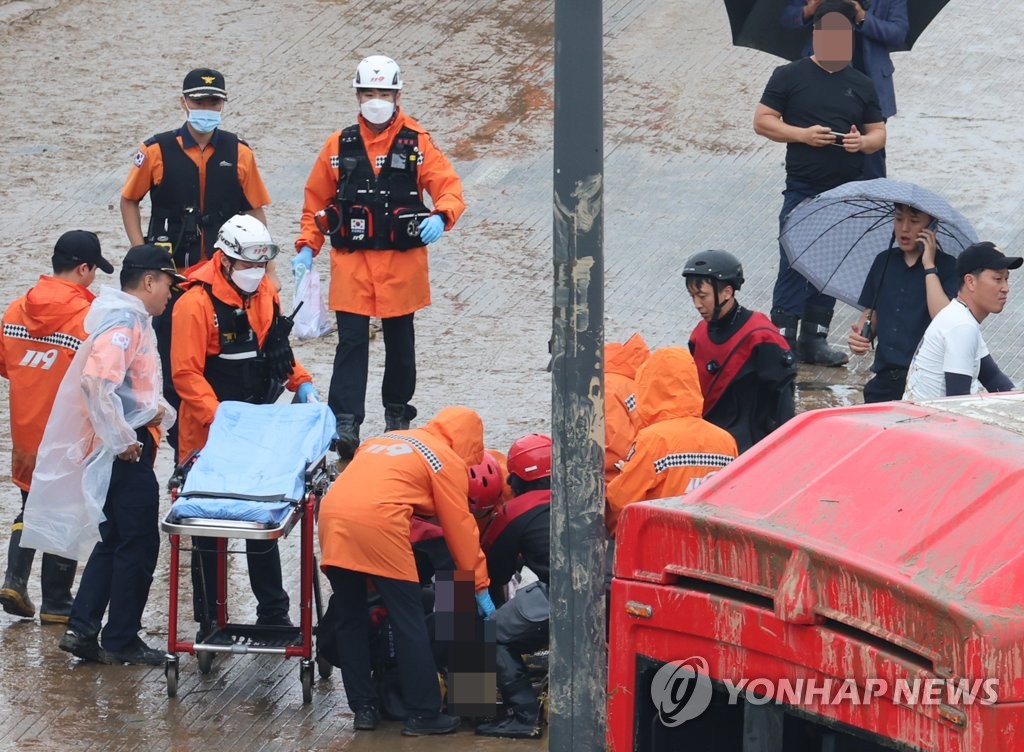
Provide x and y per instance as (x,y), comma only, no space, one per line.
(921,13)
(756,24)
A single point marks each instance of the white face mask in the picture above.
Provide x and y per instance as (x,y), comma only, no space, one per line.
(248,280)
(377,111)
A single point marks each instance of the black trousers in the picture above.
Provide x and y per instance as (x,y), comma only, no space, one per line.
(886,386)
(404,601)
(347,395)
(120,569)
(263,558)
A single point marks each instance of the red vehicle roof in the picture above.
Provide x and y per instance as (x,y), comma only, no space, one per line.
(902,521)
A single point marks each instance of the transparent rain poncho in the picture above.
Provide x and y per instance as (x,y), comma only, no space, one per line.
(112,387)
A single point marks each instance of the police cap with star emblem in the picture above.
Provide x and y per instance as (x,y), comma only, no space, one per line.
(204,82)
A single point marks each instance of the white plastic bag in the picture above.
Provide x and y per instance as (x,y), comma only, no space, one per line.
(312,320)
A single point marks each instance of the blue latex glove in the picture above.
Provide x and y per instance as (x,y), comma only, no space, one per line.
(302,262)
(307,392)
(431,228)
(484,604)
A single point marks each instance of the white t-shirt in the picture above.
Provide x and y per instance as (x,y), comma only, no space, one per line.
(952,343)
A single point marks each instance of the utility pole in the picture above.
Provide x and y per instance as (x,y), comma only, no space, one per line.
(579,655)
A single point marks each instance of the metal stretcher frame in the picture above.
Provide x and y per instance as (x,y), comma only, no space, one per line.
(290,642)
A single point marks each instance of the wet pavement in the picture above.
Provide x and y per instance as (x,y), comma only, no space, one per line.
(85,82)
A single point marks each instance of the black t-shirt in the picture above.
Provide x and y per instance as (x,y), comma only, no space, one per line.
(806,94)
(897,293)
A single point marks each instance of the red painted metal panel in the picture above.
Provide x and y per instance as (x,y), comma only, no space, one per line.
(865,542)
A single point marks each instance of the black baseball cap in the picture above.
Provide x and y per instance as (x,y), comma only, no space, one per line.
(204,82)
(151,257)
(985,255)
(82,246)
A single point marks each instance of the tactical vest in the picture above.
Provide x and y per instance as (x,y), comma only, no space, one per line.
(239,371)
(190,221)
(381,211)
(719,364)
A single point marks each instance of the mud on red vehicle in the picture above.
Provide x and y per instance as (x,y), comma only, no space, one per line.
(853,582)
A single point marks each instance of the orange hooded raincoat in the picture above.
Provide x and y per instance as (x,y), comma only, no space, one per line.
(380,283)
(365,517)
(621,359)
(41,333)
(194,338)
(675,447)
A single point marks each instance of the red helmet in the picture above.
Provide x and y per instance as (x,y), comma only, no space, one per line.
(485,483)
(530,457)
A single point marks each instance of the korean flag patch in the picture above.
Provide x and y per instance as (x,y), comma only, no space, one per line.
(139,158)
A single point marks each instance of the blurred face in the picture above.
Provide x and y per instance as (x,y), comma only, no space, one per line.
(702,293)
(988,290)
(907,224)
(833,42)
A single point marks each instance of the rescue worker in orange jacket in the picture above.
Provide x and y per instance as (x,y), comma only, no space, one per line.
(197,177)
(41,333)
(230,342)
(621,359)
(366,192)
(364,529)
(675,449)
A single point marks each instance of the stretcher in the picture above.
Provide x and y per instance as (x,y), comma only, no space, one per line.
(261,474)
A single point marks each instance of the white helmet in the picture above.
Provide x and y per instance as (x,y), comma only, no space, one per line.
(378,72)
(246,238)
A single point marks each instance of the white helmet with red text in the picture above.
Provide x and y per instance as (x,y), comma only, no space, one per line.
(377,72)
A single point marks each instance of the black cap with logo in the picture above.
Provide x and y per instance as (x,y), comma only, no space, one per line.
(82,246)
(204,82)
(151,257)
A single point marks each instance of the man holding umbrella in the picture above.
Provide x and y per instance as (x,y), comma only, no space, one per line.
(905,289)
(805,105)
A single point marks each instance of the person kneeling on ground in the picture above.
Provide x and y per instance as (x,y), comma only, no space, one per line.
(519,536)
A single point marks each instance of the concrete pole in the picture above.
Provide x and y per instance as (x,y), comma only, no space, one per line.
(579,656)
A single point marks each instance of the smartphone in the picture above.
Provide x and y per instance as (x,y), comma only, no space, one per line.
(838,138)
(933,225)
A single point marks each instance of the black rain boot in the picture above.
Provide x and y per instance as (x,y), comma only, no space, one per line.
(522,723)
(14,594)
(57,578)
(787,323)
(348,436)
(397,417)
(812,345)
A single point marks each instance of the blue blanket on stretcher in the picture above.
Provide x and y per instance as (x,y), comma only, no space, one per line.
(254,463)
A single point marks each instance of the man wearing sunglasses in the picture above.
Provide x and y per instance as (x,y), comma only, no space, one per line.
(229,341)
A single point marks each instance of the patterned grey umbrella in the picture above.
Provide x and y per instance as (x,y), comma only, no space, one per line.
(833,237)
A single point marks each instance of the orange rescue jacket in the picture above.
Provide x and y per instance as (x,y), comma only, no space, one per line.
(365,517)
(620,418)
(675,447)
(194,338)
(41,333)
(374,282)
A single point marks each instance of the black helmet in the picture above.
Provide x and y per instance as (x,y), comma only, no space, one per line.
(717,265)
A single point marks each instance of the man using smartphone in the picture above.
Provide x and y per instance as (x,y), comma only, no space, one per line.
(803,104)
(906,287)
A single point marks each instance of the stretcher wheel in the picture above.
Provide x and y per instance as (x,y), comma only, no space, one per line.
(324,667)
(205,660)
(306,677)
(171,674)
